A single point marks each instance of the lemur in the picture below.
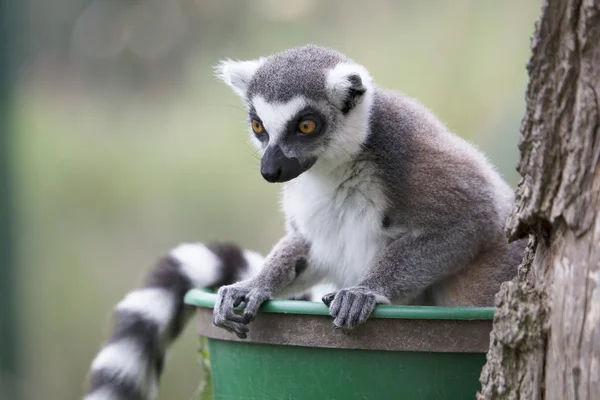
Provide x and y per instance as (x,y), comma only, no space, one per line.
(383,204)
(147,320)
(380,198)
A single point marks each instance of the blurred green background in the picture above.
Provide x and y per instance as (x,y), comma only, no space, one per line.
(125,144)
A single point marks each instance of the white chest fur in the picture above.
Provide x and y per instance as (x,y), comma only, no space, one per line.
(341,218)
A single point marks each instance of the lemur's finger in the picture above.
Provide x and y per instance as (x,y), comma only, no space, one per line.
(346,299)
(336,305)
(233,317)
(239,329)
(355,312)
(367,310)
(224,306)
(231,323)
(239,301)
(252,306)
(223,299)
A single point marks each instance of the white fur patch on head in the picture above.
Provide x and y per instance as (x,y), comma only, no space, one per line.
(238,74)
(338,82)
(155,304)
(351,134)
(198,263)
(276,115)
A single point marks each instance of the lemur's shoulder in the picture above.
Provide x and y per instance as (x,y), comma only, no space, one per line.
(426,167)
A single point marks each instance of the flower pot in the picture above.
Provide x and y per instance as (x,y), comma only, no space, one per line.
(294,352)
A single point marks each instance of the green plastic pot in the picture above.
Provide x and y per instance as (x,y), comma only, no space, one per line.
(293,352)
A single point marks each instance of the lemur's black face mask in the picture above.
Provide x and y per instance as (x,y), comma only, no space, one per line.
(277,168)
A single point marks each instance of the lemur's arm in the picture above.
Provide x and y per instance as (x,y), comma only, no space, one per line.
(401,272)
(285,272)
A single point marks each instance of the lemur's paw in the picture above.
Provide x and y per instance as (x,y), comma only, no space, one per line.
(351,307)
(231,296)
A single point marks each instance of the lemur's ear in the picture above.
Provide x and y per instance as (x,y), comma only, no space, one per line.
(237,74)
(347,85)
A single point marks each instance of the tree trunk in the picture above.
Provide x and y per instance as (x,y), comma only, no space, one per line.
(546,338)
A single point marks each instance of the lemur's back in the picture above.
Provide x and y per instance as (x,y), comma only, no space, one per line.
(435,179)
(478,283)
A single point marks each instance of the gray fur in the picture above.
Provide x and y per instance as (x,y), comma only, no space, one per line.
(288,261)
(298,71)
(391,187)
(443,195)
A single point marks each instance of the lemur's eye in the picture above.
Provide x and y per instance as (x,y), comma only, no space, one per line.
(307,126)
(257,127)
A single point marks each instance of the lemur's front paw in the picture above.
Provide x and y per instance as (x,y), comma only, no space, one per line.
(229,297)
(353,306)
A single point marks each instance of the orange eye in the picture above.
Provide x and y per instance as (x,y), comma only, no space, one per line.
(257,127)
(307,126)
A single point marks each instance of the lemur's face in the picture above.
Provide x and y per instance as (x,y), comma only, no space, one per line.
(292,134)
(304,105)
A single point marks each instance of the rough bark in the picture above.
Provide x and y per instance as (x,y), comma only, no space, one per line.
(546,338)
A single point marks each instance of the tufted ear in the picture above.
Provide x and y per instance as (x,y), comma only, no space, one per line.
(237,74)
(347,85)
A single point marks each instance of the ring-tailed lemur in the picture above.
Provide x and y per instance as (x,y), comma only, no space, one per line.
(380,198)
(149,319)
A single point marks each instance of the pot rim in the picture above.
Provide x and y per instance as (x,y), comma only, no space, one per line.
(206,299)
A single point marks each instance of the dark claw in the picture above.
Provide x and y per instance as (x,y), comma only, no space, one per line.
(233,317)
(328,298)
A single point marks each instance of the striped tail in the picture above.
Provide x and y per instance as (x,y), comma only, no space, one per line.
(149,319)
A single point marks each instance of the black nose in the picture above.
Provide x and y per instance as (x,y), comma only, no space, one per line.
(276,167)
(271,175)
